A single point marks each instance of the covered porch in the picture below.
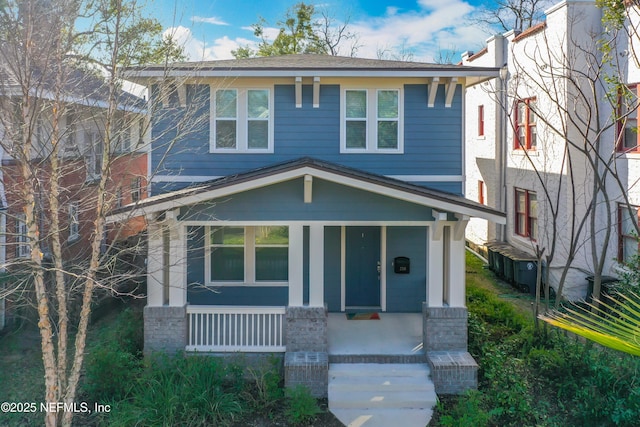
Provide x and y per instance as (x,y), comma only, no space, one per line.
(271,260)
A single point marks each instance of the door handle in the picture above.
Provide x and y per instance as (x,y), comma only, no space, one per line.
(379,268)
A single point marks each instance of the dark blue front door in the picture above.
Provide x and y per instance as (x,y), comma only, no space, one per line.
(362,278)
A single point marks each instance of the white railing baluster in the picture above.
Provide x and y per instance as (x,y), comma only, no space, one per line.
(232,329)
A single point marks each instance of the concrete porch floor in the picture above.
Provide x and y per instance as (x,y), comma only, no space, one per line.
(394,333)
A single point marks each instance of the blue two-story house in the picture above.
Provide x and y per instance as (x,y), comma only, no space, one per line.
(284,189)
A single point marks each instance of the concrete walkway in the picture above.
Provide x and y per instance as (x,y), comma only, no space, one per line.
(381,395)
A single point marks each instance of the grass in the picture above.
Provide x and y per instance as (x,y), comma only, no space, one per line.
(21,374)
(479,276)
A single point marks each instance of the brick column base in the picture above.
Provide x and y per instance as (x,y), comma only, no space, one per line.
(307,368)
(165,329)
(453,372)
(306,329)
(444,328)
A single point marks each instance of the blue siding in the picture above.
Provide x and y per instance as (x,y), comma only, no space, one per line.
(406,292)
(198,294)
(332,274)
(285,201)
(432,140)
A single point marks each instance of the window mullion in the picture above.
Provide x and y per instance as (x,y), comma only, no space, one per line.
(242,124)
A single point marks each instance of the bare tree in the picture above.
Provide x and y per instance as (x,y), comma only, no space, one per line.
(63,124)
(507,15)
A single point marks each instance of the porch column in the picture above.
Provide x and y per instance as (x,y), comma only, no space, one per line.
(456,273)
(435,279)
(165,316)
(316,266)
(177,261)
(296,265)
(154,263)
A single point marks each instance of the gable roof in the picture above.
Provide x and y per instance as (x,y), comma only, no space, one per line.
(307,65)
(317,168)
(79,86)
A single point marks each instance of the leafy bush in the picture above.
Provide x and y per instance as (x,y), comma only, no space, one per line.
(266,388)
(467,412)
(302,407)
(109,372)
(112,365)
(541,378)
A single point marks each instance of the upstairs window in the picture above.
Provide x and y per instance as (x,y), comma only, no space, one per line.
(480,120)
(242,121)
(526,214)
(22,237)
(628,243)
(93,141)
(136,189)
(74,221)
(627,124)
(371,121)
(526,133)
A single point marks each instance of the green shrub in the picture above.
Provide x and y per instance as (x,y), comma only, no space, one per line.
(109,372)
(265,391)
(112,365)
(185,391)
(467,412)
(302,407)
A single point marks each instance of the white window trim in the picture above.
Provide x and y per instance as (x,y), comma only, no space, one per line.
(22,238)
(74,221)
(372,121)
(249,261)
(242,120)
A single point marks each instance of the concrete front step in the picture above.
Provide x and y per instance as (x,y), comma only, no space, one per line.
(369,394)
(383,417)
(378,358)
(378,370)
(373,383)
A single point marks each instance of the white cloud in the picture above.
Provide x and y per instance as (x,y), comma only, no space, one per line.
(432,26)
(214,20)
(199,50)
(438,24)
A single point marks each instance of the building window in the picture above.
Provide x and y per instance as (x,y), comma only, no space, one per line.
(480,120)
(119,198)
(74,221)
(121,136)
(249,254)
(93,141)
(242,121)
(136,190)
(627,232)
(371,121)
(227,254)
(22,236)
(526,133)
(272,253)
(526,214)
(481,192)
(627,125)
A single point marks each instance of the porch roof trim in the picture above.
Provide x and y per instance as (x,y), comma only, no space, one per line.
(281,172)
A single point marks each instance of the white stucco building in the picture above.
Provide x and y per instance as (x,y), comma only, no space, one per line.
(553,143)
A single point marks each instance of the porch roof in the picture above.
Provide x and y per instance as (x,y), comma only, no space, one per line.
(281,172)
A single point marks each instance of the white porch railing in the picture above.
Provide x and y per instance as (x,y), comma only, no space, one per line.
(231,328)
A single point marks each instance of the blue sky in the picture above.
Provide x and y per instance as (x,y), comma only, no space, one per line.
(210,29)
